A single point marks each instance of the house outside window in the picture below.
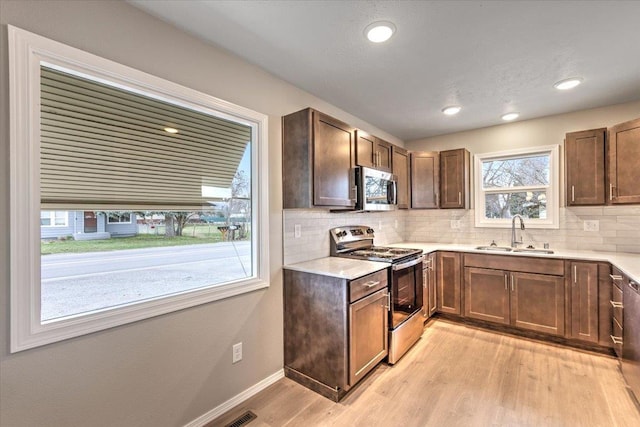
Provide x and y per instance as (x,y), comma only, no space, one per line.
(517,182)
(54,219)
(119,218)
(140,161)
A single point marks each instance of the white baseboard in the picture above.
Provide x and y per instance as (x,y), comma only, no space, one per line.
(236,400)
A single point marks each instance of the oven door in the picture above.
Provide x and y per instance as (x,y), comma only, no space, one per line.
(406,290)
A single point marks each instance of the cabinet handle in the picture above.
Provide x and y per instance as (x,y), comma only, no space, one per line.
(611,187)
(459,197)
(506,287)
(616,304)
(512,283)
(573,193)
(616,340)
(388,307)
(575,274)
(615,277)
(371,284)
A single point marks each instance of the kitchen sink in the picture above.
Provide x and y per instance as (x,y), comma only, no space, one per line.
(534,251)
(494,248)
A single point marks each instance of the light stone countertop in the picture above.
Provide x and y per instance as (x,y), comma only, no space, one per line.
(629,263)
(344,268)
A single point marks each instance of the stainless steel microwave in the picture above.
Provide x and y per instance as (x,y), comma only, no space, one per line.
(377,190)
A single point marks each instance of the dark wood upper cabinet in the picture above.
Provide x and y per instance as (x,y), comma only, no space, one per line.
(400,168)
(585,167)
(624,163)
(318,157)
(425,183)
(454,179)
(372,152)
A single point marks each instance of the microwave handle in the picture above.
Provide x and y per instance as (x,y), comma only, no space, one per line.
(392,193)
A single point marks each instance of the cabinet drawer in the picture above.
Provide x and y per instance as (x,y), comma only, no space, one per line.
(368,284)
(553,267)
(616,302)
(617,337)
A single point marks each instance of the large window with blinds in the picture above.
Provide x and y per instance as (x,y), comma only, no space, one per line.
(131,196)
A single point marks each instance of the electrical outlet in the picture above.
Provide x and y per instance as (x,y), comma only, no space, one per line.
(237,353)
(455,224)
(297,231)
(591,225)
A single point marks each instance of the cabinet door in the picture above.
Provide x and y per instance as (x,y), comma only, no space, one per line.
(333,162)
(365,149)
(537,302)
(368,329)
(433,299)
(584,164)
(429,299)
(448,272)
(486,295)
(454,179)
(400,166)
(624,163)
(425,184)
(584,301)
(372,152)
(383,155)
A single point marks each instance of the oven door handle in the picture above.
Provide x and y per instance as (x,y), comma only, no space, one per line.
(407,264)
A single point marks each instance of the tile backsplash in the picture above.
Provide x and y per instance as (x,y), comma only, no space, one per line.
(619,229)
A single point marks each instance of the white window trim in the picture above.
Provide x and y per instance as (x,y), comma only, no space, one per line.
(52,218)
(119,222)
(26,53)
(553,191)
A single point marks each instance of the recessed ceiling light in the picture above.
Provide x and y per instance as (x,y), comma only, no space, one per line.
(510,116)
(171,130)
(380,31)
(451,110)
(568,83)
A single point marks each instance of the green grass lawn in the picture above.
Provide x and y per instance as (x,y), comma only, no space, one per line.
(119,243)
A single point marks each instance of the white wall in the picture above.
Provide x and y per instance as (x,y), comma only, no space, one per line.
(171,369)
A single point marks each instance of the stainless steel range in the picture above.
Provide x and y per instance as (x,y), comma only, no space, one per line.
(405,282)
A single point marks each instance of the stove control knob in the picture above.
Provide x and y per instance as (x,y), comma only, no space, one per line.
(369,230)
(341,233)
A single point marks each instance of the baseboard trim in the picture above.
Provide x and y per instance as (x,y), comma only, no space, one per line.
(236,400)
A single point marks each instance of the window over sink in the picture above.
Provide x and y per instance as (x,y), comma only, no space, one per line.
(523,182)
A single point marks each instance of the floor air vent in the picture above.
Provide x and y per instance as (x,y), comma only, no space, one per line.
(243,419)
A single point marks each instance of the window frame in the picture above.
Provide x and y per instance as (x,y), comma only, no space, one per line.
(552,190)
(27,51)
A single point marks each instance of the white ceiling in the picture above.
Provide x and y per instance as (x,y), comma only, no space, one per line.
(489,57)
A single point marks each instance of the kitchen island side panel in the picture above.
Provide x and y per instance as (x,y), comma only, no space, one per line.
(315,327)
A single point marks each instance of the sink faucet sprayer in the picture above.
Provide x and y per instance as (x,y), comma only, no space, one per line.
(514,242)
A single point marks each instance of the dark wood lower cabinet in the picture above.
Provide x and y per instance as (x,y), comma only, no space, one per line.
(486,295)
(537,302)
(523,300)
(335,330)
(449,282)
(584,301)
(429,298)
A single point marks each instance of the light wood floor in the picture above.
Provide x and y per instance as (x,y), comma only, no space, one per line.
(462,376)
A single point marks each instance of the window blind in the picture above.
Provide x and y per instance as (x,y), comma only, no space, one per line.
(103,146)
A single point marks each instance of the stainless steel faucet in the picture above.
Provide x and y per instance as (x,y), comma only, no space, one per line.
(514,242)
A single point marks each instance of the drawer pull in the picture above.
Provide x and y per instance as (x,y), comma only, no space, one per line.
(615,304)
(371,284)
(616,340)
(615,277)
